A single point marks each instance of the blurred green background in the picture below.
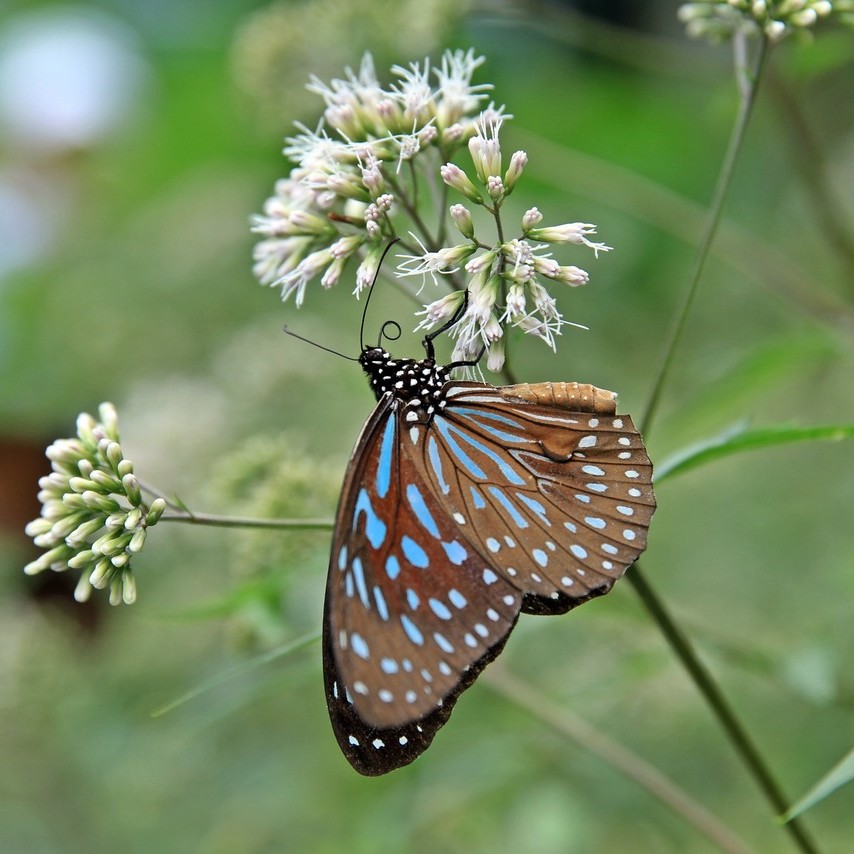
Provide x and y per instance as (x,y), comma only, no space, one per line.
(135,141)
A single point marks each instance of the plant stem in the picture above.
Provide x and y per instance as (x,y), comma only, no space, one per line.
(808,158)
(410,208)
(245,521)
(748,82)
(674,336)
(720,706)
(524,695)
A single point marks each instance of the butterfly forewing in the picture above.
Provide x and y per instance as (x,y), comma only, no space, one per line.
(413,612)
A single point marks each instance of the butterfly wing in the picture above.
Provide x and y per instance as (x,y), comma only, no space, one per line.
(524,498)
(412,613)
(559,499)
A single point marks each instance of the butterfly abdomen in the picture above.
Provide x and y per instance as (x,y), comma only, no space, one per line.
(576,397)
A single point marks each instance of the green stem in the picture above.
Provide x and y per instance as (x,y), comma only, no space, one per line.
(443,214)
(720,706)
(748,85)
(410,209)
(524,695)
(677,328)
(245,521)
(808,158)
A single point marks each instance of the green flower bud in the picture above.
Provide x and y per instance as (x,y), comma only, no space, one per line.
(155,511)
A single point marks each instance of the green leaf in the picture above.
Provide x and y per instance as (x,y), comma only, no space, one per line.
(740,438)
(838,776)
(735,388)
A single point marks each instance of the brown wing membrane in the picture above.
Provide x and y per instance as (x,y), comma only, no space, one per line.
(529,497)
(412,613)
(559,500)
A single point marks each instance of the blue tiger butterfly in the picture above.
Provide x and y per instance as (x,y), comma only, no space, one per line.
(465,504)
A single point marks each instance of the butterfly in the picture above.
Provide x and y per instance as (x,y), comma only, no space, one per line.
(465,504)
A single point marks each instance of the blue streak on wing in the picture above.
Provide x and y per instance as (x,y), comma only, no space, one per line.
(360,647)
(460,455)
(509,506)
(455,552)
(382,608)
(509,473)
(414,553)
(440,609)
(436,462)
(478,499)
(386,451)
(359,577)
(416,502)
(457,598)
(476,416)
(375,528)
(392,567)
(534,505)
(411,630)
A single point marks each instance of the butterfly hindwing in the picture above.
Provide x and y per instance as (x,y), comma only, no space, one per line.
(558,500)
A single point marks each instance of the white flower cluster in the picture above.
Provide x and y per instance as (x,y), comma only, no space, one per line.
(338,201)
(93,515)
(720,19)
(503,282)
(358,184)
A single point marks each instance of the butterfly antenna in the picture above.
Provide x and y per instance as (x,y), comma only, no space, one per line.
(319,346)
(461,310)
(371,290)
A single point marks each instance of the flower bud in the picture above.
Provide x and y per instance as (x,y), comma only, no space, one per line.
(83,590)
(155,511)
(461,216)
(495,188)
(454,177)
(105,482)
(137,541)
(518,161)
(114,454)
(530,219)
(132,490)
(109,420)
(99,577)
(495,355)
(81,560)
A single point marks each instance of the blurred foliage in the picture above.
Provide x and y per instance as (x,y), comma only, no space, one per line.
(130,281)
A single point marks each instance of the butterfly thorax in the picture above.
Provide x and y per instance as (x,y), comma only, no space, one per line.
(418,382)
